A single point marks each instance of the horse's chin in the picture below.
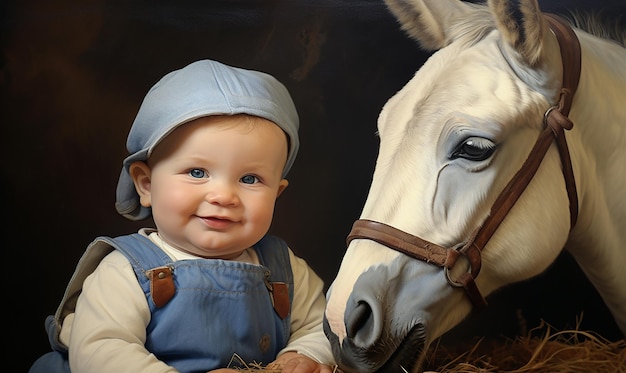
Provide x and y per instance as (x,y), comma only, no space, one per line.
(407,357)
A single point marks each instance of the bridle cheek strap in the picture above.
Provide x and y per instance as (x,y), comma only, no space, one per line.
(557,119)
(555,122)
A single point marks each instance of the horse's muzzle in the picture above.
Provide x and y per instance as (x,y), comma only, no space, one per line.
(378,357)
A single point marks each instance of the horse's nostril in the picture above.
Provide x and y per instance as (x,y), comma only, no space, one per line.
(357,318)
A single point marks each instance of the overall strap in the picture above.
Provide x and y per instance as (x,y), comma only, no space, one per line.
(150,263)
(273,253)
(93,255)
(140,251)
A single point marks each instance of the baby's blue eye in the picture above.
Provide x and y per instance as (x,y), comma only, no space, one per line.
(249,179)
(197,173)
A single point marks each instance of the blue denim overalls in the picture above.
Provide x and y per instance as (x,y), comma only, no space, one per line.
(203,311)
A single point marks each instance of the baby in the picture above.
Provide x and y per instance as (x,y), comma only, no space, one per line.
(207,287)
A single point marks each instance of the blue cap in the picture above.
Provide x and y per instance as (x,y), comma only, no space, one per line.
(200,89)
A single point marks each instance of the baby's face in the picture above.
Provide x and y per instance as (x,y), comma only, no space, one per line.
(214,183)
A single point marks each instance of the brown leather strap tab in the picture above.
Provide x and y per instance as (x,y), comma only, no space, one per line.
(280,298)
(162,286)
(404,242)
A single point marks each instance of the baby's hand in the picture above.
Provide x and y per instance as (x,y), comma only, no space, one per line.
(293,362)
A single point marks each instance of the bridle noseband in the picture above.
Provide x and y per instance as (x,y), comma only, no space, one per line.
(555,122)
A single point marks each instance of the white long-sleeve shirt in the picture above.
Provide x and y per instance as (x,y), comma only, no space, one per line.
(107,331)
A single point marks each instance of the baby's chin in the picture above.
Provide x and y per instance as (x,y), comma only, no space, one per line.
(218,251)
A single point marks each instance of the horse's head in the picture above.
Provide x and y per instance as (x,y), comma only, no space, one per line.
(450,141)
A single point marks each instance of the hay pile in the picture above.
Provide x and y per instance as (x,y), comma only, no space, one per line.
(541,351)
(256,367)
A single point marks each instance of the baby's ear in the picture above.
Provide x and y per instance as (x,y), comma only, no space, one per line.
(282,186)
(141,173)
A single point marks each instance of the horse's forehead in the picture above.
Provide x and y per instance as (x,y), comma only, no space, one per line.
(461,60)
(475,80)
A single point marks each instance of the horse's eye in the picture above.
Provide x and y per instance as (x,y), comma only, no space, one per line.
(474,149)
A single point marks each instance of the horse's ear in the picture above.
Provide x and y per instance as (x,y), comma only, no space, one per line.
(522,26)
(429,21)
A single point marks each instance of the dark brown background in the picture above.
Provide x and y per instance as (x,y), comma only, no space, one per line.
(73,74)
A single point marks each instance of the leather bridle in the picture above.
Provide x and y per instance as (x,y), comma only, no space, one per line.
(555,122)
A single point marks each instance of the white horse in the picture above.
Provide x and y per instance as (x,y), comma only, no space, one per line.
(455,209)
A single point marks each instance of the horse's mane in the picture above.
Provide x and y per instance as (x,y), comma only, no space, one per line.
(473,28)
(599,24)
